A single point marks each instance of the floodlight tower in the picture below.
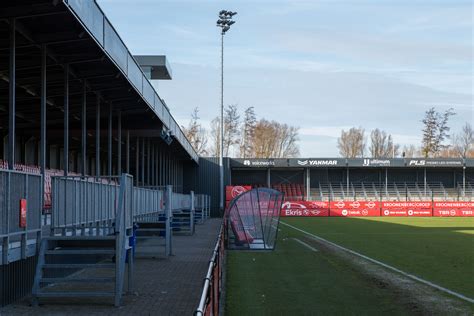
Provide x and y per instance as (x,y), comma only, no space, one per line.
(224,22)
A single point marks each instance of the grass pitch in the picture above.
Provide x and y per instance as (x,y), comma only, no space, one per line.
(296,280)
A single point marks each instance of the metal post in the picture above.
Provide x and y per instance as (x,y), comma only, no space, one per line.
(308,184)
(169,218)
(43,115)
(148,160)
(424,180)
(137,165)
(119,147)
(347,180)
(143,162)
(127,155)
(191,212)
(84,128)
(221,147)
(268,178)
(109,141)
(12,96)
(152,164)
(386,180)
(66,120)
(97,138)
(463,181)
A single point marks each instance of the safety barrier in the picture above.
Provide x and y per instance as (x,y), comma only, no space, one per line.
(182,206)
(20,214)
(209,304)
(201,208)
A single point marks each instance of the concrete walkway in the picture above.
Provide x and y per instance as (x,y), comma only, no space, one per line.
(170,286)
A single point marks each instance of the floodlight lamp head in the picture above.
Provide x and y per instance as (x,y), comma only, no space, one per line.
(225,29)
(229,23)
(231,14)
(223,12)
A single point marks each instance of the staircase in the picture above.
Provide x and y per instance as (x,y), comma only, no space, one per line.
(80,266)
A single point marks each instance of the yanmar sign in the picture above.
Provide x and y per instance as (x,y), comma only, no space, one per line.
(316,162)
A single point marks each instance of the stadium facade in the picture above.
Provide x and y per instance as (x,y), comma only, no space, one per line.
(82,126)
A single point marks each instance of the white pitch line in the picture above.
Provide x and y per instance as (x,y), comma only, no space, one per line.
(411,276)
(306,245)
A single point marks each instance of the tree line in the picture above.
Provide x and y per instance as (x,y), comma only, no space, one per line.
(245,136)
(436,140)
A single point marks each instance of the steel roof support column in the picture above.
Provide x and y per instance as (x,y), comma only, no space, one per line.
(109,141)
(143,163)
(12,96)
(119,141)
(347,181)
(66,121)
(148,175)
(160,166)
(43,114)
(97,138)
(137,159)
(308,184)
(268,178)
(127,152)
(84,129)
(152,164)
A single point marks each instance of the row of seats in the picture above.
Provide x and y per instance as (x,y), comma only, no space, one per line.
(36,170)
(292,191)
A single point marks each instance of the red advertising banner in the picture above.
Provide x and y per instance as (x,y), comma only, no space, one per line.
(453,209)
(397,208)
(305,208)
(355,208)
(22,222)
(233,191)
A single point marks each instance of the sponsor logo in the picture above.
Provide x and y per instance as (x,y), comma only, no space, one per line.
(340,204)
(365,212)
(302,162)
(410,212)
(371,204)
(238,190)
(322,162)
(355,204)
(378,162)
(247,162)
(386,212)
(417,162)
(344,212)
(293,205)
(452,212)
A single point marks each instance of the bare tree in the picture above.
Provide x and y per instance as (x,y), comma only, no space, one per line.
(411,151)
(435,131)
(231,128)
(231,131)
(381,145)
(352,144)
(464,141)
(275,140)
(248,132)
(196,134)
(215,137)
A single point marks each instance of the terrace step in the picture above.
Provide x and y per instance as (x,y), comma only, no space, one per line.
(77,265)
(59,294)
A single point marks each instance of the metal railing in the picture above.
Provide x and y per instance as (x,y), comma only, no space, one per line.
(20,214)
(211,293)
(83,205)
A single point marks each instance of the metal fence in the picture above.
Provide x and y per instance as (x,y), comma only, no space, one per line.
(20,214)
(148,204)
(210,298)
(83,205)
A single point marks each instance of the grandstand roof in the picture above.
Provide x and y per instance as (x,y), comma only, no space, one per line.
(78,33)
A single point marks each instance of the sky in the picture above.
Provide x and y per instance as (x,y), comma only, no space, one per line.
(320,65)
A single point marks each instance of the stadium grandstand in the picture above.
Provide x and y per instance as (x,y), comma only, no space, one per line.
(93,165)
(332,179)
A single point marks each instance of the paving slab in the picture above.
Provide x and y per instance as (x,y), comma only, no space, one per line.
(162,286)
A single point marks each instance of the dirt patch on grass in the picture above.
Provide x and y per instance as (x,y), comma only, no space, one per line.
(418,298)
